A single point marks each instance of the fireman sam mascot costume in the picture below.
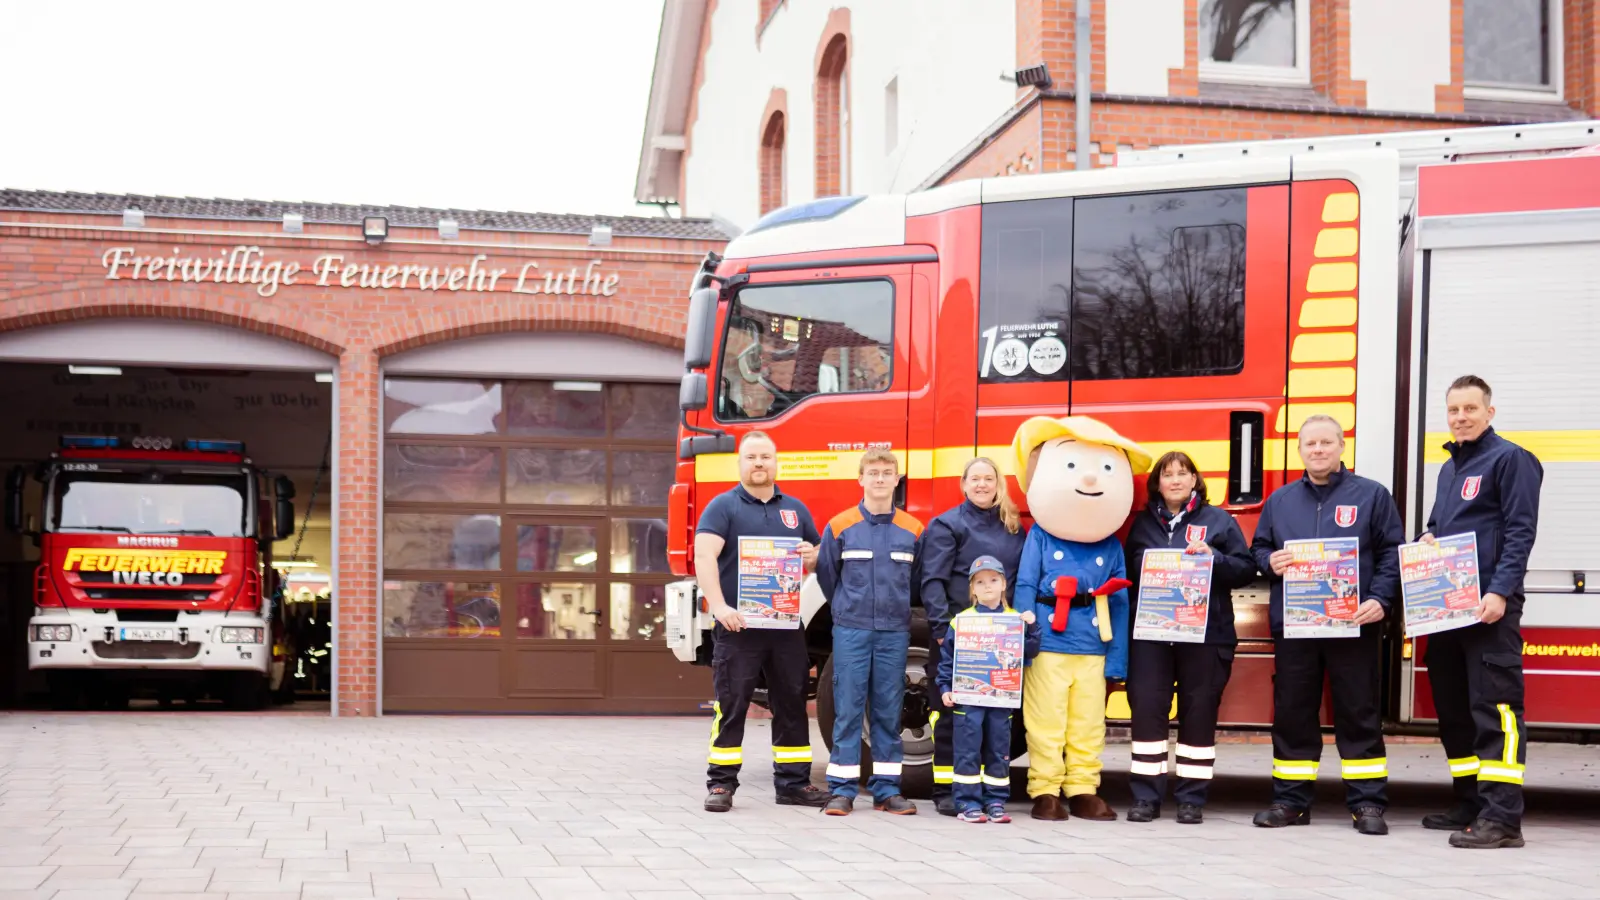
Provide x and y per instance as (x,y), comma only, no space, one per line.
(1078,475)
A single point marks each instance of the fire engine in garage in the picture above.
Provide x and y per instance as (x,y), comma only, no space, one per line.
(1206,299)
(156,569)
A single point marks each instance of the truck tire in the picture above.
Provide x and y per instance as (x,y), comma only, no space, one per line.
(248,691)
(916,737)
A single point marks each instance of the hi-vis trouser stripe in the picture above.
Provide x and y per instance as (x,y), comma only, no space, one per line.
(886,769)
(1194,762)
(996,780)
(791,754)
(1295,769)
(967,779)
(1150,767)
(1506,769)
(1464,767)
(1353,769)
(837,771)
(721,756)
(941,774)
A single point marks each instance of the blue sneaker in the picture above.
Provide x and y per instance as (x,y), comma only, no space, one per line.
(972,816)
(997,814)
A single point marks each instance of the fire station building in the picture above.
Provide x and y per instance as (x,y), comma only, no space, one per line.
(478,411)
(760,105)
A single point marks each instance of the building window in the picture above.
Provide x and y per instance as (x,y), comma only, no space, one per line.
(787,342)
(772,179)
(1158,285)
(1512,46)
(1259,41)
(514,509)
(833,120)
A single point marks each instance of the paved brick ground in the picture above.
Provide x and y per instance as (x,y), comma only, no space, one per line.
(216,805)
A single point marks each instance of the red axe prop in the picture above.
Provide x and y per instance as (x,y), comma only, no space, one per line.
(1067,596)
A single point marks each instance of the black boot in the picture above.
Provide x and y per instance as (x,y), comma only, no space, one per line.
(1368,820)
(1279,816)
(944,804)
(1454,820)
(1190,814)
(1144,811)
(810,795)
(719,800)
(1485,834)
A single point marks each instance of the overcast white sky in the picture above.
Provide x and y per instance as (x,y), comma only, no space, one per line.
(528,105)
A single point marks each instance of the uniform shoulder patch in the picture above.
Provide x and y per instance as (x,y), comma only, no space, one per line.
(844,520)
(908,522)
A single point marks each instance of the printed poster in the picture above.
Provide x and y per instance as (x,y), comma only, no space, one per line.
(1322,588)
(1174,596)
(987,667)
(1440,584)
(770,573)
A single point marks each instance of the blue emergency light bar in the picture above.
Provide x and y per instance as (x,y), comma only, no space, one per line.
(210,446)
(89,442)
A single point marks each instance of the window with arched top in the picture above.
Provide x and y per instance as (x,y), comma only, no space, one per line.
(772,176)
(833,119)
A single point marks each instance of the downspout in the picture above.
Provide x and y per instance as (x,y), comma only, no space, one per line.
(1083,52)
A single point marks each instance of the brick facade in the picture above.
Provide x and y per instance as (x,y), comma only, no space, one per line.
(774,140)
(51,272)
(832,66)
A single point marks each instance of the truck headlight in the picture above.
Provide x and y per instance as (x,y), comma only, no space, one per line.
(52,632)
(234,635)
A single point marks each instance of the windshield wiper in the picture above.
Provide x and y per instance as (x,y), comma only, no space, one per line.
(197,531)
(118,528)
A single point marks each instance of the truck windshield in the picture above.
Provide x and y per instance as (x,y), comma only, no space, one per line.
(150,500)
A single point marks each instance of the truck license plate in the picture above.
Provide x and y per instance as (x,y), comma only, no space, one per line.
(147,634)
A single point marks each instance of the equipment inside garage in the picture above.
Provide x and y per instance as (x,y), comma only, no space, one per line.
(160,491)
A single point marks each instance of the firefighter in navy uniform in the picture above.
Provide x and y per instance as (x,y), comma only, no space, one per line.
(1488,487)
(1178,517)
(755,508)
(1330,502)
(986,523)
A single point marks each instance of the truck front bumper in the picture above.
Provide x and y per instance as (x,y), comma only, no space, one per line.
(84,639)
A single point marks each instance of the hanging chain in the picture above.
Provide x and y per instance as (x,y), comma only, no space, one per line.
(311,502)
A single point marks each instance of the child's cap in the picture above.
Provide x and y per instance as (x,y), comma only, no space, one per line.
(986,564)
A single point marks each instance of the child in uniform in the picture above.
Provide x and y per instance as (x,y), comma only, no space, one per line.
(983,734)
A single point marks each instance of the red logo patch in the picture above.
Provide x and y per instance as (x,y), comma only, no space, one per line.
(1195,533)
(790,517)
(1344,516)
(1471,486)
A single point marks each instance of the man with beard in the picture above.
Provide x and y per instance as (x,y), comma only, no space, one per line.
(743,656)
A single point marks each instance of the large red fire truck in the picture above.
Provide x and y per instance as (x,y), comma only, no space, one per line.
(156,568)
(1206,299)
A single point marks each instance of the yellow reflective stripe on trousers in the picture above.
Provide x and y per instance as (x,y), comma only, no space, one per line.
(716,723)
(1508,724)
(791,754)
(1463,767)
(967,779)
(1353,769)
(943,774)
(1496,771)
(725,756)
(1295,769)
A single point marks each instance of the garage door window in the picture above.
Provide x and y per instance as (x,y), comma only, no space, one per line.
(552,494)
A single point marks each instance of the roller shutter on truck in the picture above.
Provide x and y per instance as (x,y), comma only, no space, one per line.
(1509,289)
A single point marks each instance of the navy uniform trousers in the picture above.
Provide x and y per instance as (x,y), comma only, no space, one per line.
(1476,674)
(982,745)
(1354,671)
(738,660)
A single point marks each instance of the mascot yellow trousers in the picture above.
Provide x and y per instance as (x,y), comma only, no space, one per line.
(1064,710)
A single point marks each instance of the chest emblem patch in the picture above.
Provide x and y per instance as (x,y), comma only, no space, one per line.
(789,517)
(1195,533)
(1471,487)
(1344,516)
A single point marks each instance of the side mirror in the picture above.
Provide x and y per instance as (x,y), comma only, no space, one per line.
(692,392)
(14,481)
(283,519)
(700,340)
(283,488)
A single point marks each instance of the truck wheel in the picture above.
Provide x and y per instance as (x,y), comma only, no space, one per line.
(247,691)
(66,690)
(916,736)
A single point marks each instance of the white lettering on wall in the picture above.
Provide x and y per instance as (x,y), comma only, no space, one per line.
(250,265)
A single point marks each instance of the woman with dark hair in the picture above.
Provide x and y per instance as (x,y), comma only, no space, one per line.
(986,523)
(1178,516)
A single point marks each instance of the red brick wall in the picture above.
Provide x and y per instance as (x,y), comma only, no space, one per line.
(770,158)
(832,60)
(50,275)
(1581,55)
(1015,149)
(1330,54)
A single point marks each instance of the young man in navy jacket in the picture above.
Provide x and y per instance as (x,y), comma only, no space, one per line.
(867,568)
(1488,487)
(1330,502)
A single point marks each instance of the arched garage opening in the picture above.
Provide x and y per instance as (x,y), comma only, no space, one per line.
(132,384)
(524,495)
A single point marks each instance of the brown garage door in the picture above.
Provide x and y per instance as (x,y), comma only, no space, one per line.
(524,548)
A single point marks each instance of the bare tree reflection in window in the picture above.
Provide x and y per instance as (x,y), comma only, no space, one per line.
(1257,32)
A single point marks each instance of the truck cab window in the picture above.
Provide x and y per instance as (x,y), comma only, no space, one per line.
(787,342)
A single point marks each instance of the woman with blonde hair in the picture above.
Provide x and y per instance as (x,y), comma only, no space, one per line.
(986,523)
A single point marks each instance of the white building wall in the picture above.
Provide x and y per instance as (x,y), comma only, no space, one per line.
(1401,50)
(1144,38)
(947,60)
